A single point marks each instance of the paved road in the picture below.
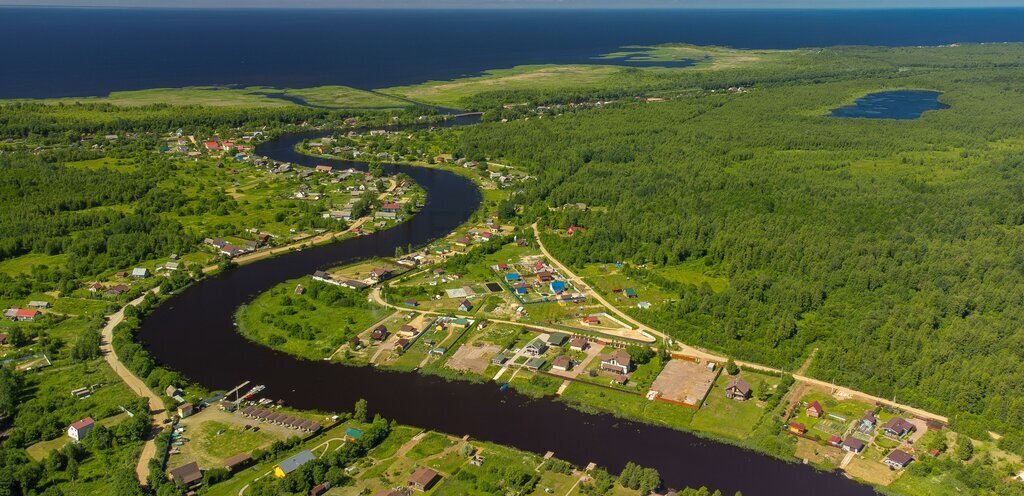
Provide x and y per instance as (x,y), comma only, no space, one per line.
(156,405)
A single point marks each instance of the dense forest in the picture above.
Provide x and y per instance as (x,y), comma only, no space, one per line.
(892,246)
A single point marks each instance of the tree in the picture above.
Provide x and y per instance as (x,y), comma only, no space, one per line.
(731,367)
(964,448)
(360,412)
(87,345)
(640,354)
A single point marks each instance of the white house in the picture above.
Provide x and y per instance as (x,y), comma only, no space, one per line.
(79,429)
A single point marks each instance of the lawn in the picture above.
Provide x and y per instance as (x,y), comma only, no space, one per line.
(727,417)
(217,441)
(303,325)
(399,436)
(431,444)
(43,449)
(629,406)
(23,264)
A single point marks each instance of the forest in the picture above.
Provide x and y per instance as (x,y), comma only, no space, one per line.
(891,246)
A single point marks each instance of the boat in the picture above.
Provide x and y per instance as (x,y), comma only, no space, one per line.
(503,387)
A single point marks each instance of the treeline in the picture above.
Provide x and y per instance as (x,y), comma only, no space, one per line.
(893,246)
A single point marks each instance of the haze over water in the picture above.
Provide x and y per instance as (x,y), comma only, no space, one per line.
(81,52)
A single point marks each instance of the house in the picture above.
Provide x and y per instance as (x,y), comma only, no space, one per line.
(320,489)
(835,441)
(299,290)
(237,462)
(408,329)
(545,276)
(186,475)
(117,290)
(814,410)
(591,320)
(38,305)
(389,492)
(411,303)
(536,347)
(629,292)
(323,168)
(898,459)
(618,362)
(391,207)
(465,306)
(352,284)
(797,428)
(512,277)
(563,363)
(185,409)
(619,379)
(288,466)
(423,479)
(79,429)
(379,333)
(868,422)
(578,344)
(463,241)
(898,427)
(173,392)
(499,359)
(140,273)
(353,434)
(535,363)
(737,389)
(459,323)
(3,339)
(853,444)
(403,344)
(557,286)
(94,287)
(25,314)
(380,273)
(557,339)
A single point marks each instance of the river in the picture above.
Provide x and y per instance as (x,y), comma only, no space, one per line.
(194,334)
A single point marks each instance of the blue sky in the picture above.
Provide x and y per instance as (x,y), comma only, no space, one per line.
(526,3)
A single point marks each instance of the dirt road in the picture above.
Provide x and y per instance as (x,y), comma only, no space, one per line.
(156,405)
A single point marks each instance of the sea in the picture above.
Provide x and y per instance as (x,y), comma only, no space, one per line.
(56,52)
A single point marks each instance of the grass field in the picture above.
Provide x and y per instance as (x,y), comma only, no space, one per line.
(727,417)
(310,328)
(23,264)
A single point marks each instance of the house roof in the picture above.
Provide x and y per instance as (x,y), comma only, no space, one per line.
(899,456)
(897,424)
(578,342)
(237,460)
(535,363)
(835,440)
(815,406)
(798,426)
(740,384)
(853,443)
(81,424)
(288,466)
(562,361)
(26,312)
(620,356)
(423,476)
(187,473)
(466,303)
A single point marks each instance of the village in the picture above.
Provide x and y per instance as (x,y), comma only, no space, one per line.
(485,303)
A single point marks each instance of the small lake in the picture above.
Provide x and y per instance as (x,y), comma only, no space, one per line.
(900,105)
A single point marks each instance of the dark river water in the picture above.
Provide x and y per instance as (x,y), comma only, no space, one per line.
(80,52)
(193,333)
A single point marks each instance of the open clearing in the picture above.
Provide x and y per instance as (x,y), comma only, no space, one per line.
(684,381)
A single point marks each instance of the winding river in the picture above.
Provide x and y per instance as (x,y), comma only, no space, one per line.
(194,333)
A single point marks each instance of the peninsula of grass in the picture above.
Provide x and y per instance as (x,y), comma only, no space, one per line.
(310,325)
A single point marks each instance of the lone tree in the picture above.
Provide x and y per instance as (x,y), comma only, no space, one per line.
(360,413)
(731,367)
